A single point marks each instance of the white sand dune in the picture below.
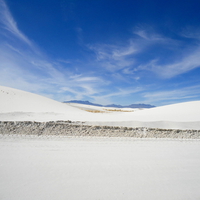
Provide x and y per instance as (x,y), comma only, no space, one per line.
(50,167)
(19,105)
(13,100)
(16,105)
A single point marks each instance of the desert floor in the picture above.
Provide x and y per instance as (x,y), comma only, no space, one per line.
(93,168)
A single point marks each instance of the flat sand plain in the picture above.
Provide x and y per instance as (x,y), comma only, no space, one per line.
(93,168)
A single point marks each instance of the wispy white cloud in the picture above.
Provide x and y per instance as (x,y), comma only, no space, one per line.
(182,57)
(153,37)
(10,25)
(64,61)
(128,70)
(182,94)
(121,92)
(191,32)
(25,68)
(183,65)
(118,66)
(78,92)
(147,36)
(125,92)
(88,79)
(126,57)
(115,57)
(33,74)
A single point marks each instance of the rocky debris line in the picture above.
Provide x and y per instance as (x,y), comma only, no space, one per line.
(68,128)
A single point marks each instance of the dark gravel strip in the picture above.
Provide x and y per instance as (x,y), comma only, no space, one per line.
(68,128)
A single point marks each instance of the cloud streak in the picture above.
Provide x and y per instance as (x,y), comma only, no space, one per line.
(113,71)
(10,25)
(184,94)
(114,57)
(38,75)
(29,70)
(121,92)
(186,64)
(127,57)
(182,58)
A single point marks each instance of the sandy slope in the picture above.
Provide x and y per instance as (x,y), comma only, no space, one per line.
(20,105)
(13,100)
(16,105)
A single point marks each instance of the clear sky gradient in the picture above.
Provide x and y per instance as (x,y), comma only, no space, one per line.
(104,51)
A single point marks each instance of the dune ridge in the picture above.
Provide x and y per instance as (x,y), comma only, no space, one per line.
(17,105)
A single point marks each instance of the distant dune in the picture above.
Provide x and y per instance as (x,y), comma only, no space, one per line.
(17,105)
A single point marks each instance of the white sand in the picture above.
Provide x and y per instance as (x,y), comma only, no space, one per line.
(16,105)
(100,108)
(57,168)
(99,169)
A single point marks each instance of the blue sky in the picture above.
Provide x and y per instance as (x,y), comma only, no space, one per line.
(104,51)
